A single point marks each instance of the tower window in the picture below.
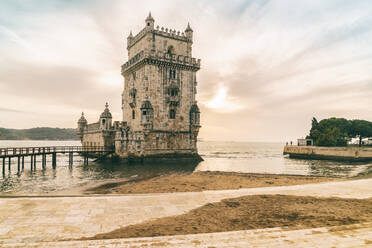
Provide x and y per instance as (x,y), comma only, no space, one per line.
(173,92)
(103,121)
(133,114)
(172,114)
(144,112)
(172,74)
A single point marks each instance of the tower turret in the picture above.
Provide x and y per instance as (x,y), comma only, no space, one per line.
(189,32)
(150,22)
(129,39)
(82,123)
(105,119)
(147,115)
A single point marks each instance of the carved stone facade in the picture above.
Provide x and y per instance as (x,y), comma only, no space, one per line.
(101,133)
(160,113)
(159,108)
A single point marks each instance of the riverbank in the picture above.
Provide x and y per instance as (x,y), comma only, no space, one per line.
(201,181)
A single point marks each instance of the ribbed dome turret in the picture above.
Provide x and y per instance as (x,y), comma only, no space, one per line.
(106,113)
(82,119)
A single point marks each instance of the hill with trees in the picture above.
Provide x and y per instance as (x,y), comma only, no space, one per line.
(336,131)
(39,133)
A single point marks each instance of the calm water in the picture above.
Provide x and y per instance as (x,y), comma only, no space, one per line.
(218,156)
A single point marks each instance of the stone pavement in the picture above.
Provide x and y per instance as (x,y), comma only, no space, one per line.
(358,235)
(28,220)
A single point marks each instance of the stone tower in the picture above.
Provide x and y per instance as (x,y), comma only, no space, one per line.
(160,114)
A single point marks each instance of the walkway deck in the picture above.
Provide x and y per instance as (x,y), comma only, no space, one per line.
(21,152)
(49,219)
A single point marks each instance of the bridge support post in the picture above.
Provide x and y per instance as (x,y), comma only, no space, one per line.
(23,162)
(9,163)
(4,166)
(19,165)
(85,159)
(35,162)
(54,160)
(32,162)
(71,159)
(43,161)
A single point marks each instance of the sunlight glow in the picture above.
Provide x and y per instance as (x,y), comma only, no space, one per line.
(221,102)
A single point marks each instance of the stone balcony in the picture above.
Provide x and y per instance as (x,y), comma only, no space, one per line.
(161,56)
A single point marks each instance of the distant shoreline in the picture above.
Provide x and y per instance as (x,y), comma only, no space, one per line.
(39,139)
(39,133)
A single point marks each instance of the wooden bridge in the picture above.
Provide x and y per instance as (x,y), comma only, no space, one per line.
(20,153)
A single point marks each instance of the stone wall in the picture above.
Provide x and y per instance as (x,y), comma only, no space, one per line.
(93,138)
(153,143)
(336,153)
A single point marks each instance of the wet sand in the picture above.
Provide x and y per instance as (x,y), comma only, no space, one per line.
(253,212)
(200,181)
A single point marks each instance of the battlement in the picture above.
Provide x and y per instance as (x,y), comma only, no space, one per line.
(165,32)
(171,33)
(161,56)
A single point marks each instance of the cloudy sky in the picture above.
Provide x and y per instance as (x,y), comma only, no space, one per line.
(268,66)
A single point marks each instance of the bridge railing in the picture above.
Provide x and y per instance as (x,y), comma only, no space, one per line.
(12,151)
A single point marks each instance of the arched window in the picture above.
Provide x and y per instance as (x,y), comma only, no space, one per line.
(133,114)
(103,121)
(172,114)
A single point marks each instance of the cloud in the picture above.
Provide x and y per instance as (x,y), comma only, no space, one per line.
(11,110)
(268,67)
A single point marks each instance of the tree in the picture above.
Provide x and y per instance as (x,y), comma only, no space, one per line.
(335,131)
(362,128)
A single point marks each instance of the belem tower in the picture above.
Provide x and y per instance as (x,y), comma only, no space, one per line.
(161,117)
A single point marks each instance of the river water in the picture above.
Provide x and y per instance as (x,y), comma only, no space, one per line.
(218,156)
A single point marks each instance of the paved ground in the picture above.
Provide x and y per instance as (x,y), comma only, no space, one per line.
(346,236)
(33,220)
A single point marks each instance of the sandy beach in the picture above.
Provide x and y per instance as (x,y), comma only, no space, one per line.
(200,181)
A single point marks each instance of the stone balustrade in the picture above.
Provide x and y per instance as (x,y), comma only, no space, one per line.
(162,56)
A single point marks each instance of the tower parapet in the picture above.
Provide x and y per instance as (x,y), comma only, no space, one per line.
(159,57)
(186,36)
